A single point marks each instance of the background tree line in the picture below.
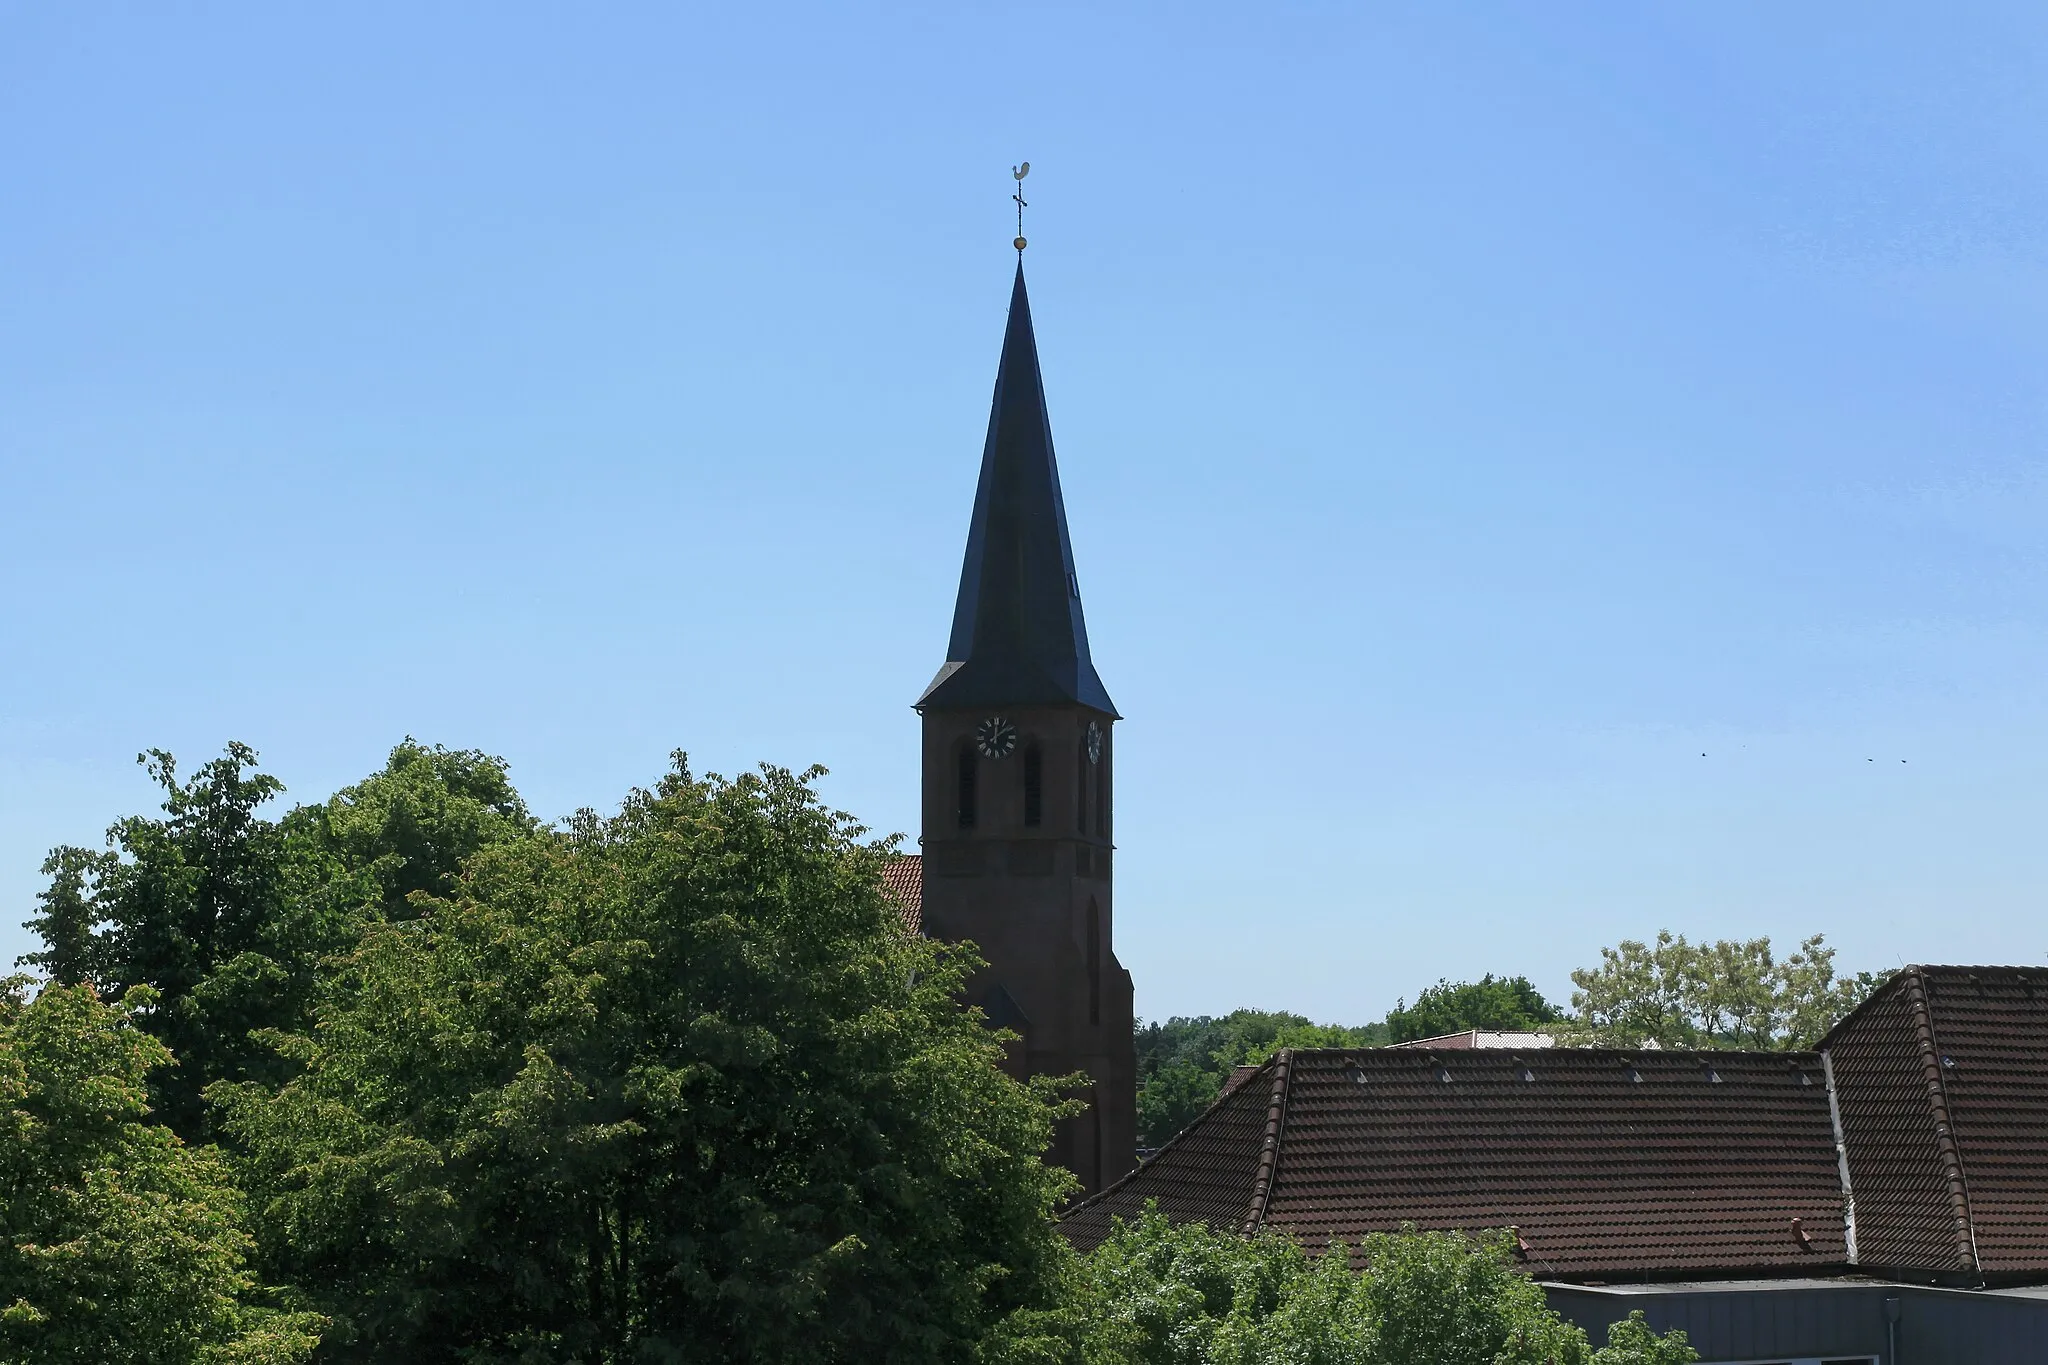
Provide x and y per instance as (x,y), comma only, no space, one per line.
(409,1074)
(1670,993)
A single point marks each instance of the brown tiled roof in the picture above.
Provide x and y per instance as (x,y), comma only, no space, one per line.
(903,883)
(1611,1164)
(1941,1078)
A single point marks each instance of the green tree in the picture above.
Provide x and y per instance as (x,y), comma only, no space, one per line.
(670,1085)
(1168,1293)
(119,1244)
(1159,1293)
(225,915)
(410,826)
(1725,994)
(1450,1299)
(1184,1062)
(1504,1003)
(1631,1342)
(228,914)
(73,952)
(1311,1035)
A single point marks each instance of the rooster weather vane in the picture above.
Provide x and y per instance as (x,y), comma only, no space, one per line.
(1017,173)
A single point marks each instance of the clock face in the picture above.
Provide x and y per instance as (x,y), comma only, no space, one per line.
(1094,742)
(995,737)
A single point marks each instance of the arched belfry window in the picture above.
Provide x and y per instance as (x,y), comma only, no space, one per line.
(1034,785)
(1082,769)
(1102,790)
(968,804)
(1094,962)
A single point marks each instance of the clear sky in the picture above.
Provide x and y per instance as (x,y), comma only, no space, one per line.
(1539,474)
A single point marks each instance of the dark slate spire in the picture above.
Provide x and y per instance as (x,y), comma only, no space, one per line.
(1018,635)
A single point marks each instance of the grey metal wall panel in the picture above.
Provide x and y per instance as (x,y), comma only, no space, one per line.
(1936,1326)
(1747,1324)
(1950,1329)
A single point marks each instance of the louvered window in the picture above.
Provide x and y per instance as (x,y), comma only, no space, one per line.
(1094,962)
(1102,791)
(1034,786)
(1081,770)
(968,803)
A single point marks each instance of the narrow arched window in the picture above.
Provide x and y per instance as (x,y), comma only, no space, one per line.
(1094,962)
(1082,767)
(1102,790)
(1034,786)
(968,804)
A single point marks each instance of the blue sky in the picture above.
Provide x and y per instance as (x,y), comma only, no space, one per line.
(1535,472)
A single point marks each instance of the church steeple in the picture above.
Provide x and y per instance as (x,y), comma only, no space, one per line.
(1019,638)
(1019,825)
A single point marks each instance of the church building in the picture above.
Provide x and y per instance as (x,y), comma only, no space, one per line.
(1019,799)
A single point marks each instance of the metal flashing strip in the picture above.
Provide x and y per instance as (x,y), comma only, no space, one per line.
(1827,1067)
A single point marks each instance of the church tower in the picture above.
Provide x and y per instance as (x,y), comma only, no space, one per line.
(1018,793)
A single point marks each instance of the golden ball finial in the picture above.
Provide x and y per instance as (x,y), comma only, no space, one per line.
(1019,244)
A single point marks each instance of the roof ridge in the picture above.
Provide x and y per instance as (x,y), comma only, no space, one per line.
(1393,1053)
(1915,989)
(1269,1154)
(2021,968)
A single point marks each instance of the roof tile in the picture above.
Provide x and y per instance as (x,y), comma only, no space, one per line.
(1942,1081)
(1610,1163)
(903,884)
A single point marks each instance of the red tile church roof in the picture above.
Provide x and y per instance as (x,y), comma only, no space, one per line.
(1611,1164)
(903,883)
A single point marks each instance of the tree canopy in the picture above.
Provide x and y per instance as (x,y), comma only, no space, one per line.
(1183,1063)
(1725,994)
(227,913)
(73,952)
(1160,1293)
(669,1085)
(1507,1003)
(118,1243)
(409,827)
(1670,993)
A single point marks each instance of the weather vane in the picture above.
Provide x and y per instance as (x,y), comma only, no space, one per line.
(1017,173)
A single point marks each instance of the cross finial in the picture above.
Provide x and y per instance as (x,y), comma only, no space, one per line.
(1017,173)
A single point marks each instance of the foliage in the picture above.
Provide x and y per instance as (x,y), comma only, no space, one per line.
(1631,1342)
(1504,1003)
(217,910)
(118,1243)
(1313,1035)
(1445,1297)
(1183,1063)
(1182,1294)
(1725,994)
(68,925)
(409,827)
(227,914)
(671,1085)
